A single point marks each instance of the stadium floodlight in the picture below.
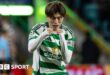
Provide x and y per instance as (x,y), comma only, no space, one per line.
(16,10)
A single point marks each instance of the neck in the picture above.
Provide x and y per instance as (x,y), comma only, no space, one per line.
(54,29)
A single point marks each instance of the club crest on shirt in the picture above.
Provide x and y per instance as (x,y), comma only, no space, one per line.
(55,50)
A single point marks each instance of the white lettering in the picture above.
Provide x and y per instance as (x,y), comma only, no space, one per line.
(19,66)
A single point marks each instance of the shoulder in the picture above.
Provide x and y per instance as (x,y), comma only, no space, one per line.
(67,29)
(69,32)
(39,26)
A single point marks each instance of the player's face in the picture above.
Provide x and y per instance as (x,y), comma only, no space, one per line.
(55,21)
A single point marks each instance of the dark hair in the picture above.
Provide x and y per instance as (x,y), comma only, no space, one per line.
(55,7)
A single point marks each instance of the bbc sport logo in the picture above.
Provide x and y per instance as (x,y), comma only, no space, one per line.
(1,66)
(8,66)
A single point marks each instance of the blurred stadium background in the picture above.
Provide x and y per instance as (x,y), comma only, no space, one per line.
(89,20)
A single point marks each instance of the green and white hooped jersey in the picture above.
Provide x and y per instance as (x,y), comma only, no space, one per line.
(51,52)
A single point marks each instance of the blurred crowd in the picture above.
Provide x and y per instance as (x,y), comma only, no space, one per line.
(96,14)
(13,43)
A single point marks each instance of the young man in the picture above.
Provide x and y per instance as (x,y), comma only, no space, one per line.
(51,43)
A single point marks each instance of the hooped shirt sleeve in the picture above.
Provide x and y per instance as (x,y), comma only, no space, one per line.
(68,41)
(36,37)
(37,34)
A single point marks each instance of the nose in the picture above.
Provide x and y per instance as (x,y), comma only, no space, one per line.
(56,20)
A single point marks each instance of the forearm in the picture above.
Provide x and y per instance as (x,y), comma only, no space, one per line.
(35,43)
(66,53)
